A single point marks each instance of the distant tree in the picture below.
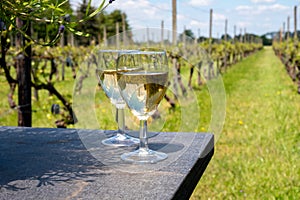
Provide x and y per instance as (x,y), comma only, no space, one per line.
(109,20)
(228,37)
(95,26)
(189,35)
(90,27)
(267,41)
(113,18)
(201,39)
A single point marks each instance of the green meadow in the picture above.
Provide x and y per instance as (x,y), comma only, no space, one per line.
(257,155)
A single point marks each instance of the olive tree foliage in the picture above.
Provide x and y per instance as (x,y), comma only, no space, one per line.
(50,18)
(44,30)
(52,12)
(17,17)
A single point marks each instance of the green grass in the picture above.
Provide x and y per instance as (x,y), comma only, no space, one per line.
(41,109)
(257,155)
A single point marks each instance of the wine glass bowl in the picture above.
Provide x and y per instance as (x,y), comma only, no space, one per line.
(107,77)
(143,91)
(143,78)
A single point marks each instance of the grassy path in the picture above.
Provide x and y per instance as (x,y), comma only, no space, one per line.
(258,154)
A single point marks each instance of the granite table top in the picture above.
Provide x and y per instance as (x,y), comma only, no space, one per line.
(50,163)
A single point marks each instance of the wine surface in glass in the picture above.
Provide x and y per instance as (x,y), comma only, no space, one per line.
(142,91)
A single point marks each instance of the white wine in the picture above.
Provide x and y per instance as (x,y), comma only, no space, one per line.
(108,81)
(142,91)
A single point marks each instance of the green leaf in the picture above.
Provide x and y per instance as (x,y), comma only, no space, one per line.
(62,3)
(79,33)
(98,10)
(88,7)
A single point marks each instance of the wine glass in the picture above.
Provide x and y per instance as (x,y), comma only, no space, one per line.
(143,79)
(106,73)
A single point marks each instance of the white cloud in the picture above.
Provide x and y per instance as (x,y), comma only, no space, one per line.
(180,17)
(200,2)
(258,16)
(194,23)
(260,9)
(131,4)
(265,25)
(218,17)
(243,8)
(263,1)
(141,10)
(242,24)
(274,7)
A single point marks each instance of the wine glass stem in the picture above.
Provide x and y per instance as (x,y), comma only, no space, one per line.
(143,136)
(120,118)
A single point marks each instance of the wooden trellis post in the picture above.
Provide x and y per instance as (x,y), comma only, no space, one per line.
(124,30)
(225,38)
(104,36)
(174,22)
(117,36)
(288,28)
(210,29)
(295,24)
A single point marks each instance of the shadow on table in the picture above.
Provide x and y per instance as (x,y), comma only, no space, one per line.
(166,147)
(45,157)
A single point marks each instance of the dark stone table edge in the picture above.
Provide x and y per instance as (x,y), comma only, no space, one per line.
(190,182)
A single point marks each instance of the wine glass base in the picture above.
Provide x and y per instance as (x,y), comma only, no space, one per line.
(121,140)
(142,156)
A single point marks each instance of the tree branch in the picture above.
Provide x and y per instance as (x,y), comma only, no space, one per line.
(55,92)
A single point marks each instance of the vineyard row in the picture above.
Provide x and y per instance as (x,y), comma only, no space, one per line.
(289,53)
(49,65)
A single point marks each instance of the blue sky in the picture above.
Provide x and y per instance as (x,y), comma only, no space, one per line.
(256,16)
